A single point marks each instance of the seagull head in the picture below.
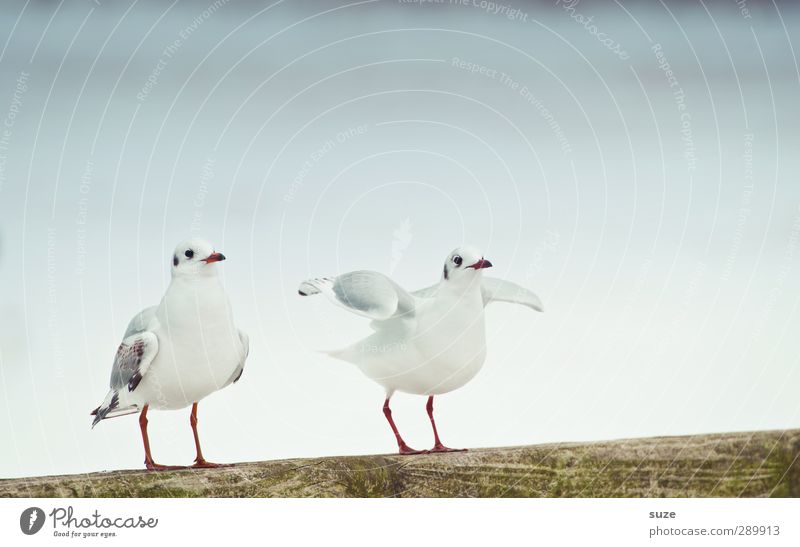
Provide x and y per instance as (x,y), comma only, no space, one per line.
(195,257)
(464,265)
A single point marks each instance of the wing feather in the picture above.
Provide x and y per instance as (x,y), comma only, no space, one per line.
(240,369)
(366,293)
(134,356)
(498,290)
(427,292)
(140,322)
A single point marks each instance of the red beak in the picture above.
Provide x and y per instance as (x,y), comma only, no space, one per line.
(214,257)
(481,264)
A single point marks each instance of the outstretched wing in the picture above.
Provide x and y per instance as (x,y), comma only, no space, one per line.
(427,292)
(134,356)
(366,293)
(497,290)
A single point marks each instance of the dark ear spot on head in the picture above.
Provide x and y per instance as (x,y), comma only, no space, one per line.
(175,260)
(446,273)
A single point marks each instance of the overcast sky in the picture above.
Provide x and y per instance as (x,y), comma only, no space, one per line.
(639,171)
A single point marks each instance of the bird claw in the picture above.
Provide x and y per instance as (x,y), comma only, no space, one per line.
(405,450)
(441,449)
(203,464)
(152,466)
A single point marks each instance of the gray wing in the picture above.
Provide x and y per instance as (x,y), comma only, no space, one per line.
(497,290)
(140,321)
(134,356)
(366,293)
(427,292)
(240,369)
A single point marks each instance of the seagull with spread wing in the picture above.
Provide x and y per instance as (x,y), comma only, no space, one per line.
(426,342)
(175,354)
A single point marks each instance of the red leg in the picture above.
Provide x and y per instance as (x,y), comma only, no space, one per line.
(148,458)
(438,446)
(199,461)
(401,444)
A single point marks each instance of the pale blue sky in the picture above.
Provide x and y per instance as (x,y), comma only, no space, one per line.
(663,242)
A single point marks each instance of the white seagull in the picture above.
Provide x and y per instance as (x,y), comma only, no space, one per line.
(174,354)
(427,342)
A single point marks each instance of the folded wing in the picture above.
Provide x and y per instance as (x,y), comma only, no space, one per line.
(498,290)
(140,322)
(366,293)
(133,359)
(240,369)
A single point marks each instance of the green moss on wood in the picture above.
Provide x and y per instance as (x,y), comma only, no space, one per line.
(726,465)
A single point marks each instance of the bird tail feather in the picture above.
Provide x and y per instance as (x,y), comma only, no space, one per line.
(342,354)
(110,408)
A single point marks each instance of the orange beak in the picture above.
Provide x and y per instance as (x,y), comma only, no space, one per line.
(214,257)
(481,264)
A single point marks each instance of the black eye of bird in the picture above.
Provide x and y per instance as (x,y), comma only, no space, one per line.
(457,260)
(189,253)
